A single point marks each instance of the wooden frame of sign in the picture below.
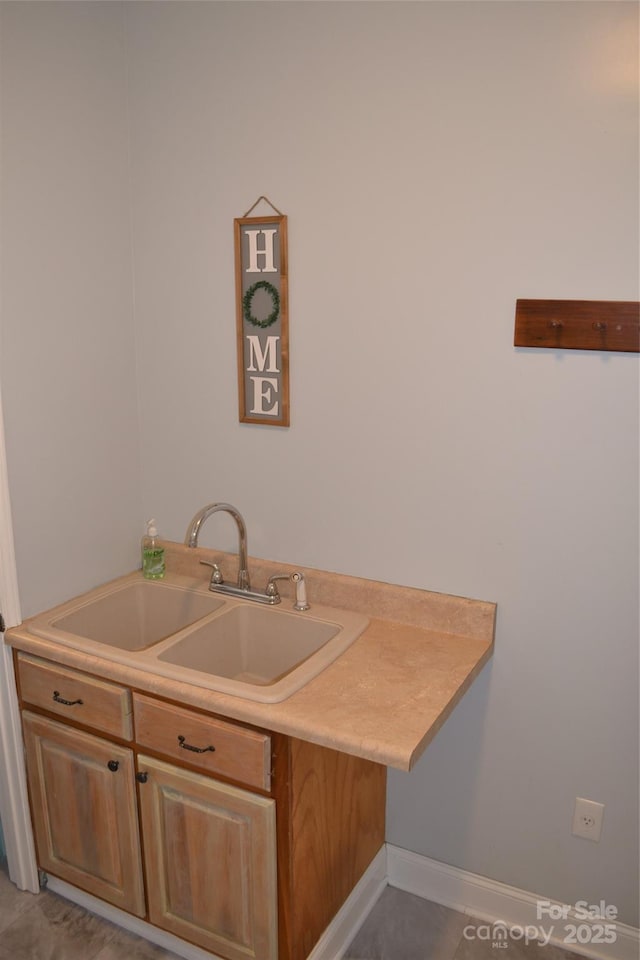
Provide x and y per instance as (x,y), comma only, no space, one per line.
(262,319)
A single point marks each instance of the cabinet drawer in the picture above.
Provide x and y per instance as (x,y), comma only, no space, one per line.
(76,696)
(210,745)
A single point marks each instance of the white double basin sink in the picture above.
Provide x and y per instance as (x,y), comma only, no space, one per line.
(259,652)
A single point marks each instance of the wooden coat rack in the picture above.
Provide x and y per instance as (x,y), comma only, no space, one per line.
(578,324)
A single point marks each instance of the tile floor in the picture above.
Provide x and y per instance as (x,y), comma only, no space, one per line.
(47,927)
(400,927)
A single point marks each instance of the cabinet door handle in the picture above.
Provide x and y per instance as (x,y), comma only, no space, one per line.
(142,777)
(67,703)
(113,765)
(187,746)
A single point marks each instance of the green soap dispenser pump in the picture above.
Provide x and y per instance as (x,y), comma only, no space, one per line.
(152,554)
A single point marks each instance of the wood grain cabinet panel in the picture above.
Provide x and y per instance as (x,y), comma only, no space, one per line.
(331,828)
(210,858)
(84,811)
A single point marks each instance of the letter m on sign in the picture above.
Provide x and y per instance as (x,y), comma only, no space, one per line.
(262,319)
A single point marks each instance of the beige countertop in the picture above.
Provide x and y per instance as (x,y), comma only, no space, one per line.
(383,699)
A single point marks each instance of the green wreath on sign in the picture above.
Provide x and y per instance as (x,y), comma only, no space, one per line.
(247,301)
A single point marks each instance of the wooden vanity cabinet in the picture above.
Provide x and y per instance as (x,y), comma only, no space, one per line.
(210,846)
(247,849)
(83,805)
(210,859)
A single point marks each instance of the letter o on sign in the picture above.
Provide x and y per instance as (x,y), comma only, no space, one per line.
(247,302)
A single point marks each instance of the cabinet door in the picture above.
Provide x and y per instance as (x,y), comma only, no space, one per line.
(210,861)
(84,811)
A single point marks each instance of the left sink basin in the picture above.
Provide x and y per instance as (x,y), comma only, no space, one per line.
(131,617)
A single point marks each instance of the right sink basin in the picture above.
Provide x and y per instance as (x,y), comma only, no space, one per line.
(252,644)
(260,652)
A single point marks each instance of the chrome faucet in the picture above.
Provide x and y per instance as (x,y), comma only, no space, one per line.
(193,531)
(243,588)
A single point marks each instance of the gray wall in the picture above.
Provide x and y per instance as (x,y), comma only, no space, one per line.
(436,161)
(68,373)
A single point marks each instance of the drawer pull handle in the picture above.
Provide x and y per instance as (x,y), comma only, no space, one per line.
(113,765)
(67,703)
(187,746)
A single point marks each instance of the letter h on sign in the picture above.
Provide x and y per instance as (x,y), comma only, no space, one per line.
(262,319)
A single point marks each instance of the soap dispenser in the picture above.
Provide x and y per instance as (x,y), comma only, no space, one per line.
(152,553)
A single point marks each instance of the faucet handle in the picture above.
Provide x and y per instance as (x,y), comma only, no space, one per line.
(216,574)
(301,588)
(272,589)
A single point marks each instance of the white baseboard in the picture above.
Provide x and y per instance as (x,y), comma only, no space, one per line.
(499,904)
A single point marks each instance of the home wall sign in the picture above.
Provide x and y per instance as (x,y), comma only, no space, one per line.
(262,318)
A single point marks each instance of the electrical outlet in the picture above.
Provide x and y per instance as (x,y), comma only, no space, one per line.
(587,819)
